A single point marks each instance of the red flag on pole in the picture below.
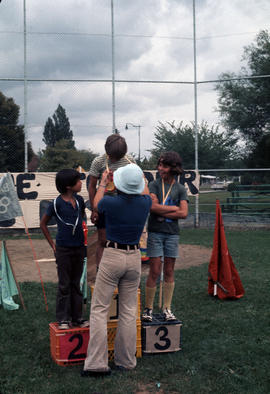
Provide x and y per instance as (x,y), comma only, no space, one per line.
(223,278)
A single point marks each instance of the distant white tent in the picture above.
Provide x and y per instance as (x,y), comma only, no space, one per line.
(208,176)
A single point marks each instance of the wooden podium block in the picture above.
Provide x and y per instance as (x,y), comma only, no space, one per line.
(161,336)
(69,347)
(114,307)
(112,325)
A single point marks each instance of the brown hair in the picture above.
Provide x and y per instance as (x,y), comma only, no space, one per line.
(116,146)
(173,160)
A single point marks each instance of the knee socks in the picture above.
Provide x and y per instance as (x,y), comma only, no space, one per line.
(168,288)
(149,296)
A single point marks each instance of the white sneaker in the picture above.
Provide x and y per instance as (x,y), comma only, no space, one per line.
(147,315)
(168,314)
(63,325)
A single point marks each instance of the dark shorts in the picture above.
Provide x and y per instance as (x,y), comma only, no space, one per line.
(100,223)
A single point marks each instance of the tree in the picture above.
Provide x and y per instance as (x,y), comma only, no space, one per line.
(85,158)
(149,163)
(260,157)
(62,156)
(244,105)
(58,128)
(215,150)
(12,137)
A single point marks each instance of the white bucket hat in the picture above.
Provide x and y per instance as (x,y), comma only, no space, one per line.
(129,179)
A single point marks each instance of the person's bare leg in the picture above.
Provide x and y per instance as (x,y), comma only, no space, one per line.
(154,272)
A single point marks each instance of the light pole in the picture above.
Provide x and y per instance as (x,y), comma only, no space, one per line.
(139,135)
(114,129)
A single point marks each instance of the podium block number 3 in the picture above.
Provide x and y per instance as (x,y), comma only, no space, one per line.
(161,338)
(164,342)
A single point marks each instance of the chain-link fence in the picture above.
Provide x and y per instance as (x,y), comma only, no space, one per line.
(44,67)
(244,197)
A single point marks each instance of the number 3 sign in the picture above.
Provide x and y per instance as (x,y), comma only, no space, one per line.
(161,336)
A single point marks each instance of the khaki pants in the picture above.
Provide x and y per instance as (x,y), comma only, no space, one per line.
(123,269)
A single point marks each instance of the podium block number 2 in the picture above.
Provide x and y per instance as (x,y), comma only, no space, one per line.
(73,355)
(73,345)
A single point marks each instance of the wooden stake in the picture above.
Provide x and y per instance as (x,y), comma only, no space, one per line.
(160,294)
(160,287)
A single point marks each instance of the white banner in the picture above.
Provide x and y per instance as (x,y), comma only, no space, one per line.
(36,189)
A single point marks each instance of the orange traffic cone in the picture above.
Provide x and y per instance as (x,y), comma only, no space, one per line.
(223,278)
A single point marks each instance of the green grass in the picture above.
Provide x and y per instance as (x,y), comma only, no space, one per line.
(226,344)
(207,201)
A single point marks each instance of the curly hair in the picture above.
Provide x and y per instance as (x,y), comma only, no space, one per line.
(173,160)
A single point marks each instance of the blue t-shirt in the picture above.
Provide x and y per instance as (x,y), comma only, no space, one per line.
(125,216)
(68,214)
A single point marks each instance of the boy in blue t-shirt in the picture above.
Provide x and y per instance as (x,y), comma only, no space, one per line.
(68,209)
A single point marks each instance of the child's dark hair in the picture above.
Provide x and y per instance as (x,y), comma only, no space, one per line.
(65,178)
(116,146)
(173,160)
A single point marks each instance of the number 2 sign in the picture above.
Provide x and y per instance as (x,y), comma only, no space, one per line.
(68,346)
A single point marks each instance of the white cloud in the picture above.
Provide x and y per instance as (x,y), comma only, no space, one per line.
(143,51)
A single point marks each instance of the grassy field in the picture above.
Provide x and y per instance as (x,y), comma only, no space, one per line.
(226,344)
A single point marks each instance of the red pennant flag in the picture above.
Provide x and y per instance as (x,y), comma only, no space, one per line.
(223,278)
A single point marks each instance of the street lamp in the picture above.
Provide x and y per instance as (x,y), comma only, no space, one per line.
(139,135)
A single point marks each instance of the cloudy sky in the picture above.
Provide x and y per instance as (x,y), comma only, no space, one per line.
(70,39)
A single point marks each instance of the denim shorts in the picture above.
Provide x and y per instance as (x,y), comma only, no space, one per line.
(162,244)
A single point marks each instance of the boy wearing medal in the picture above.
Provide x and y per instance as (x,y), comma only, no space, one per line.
(169,203)
(114,158)
(68,209)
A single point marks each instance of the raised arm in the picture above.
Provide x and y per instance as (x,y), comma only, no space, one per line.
(101,189)
(146,189)
(92,192)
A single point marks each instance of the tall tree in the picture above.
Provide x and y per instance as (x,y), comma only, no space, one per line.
(149,163)
(12,137)
(215,150)
(57,157)
(58,128)
(244,105)
(85,158)
(62,156)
